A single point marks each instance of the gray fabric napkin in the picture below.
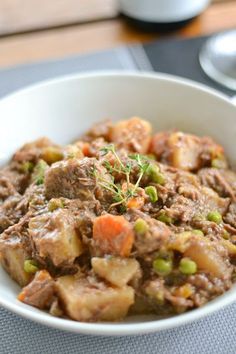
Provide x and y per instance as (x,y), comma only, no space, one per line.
(215,334)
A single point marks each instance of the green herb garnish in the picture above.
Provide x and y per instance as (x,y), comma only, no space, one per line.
(121,195)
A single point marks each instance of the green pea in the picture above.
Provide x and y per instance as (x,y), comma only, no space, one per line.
(165,218)
(155,175)
(187,266)
(27,167)
(152,193)
(162,266)
(30,266)
(140,226)
(39,172)
(214,216)
(226,235)
(198,232)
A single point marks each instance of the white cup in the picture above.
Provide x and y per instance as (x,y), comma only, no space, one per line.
(162,11)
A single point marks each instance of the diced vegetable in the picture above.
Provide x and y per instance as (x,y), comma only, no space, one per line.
(214,216)
(155,175)
(162,266)
(30,266)
(117,271)
(141,226)
(207,259)
(163,217)
(187,266)
(185,291)
(198,232)
(12,257)
(51,154)
(55,203)
(230,247)
(225,235)
(152,193)
(113,235)
(184,151)
(73,151)
(96,301)
(133,134)
(135,203)
(27,167)
(200,250)
(219,163)
(39,171)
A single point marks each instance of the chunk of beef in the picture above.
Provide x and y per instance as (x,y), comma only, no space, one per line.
(16,176)
(84,215)
(6,189)
(87,299)
(155,237)
(222,181)
(54,236)
(75,179)
(158,145)
(230,217)
(31,151)
(99,130)
(207,289)
(39,292)
(199,203)
(133,134)
(16,206)
(10,212)
(161,296)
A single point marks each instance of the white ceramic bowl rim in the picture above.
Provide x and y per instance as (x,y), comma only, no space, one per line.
(121,328)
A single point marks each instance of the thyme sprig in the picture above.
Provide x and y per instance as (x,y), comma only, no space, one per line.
(121,195)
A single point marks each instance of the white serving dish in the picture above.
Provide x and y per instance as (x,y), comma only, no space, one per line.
(65,107)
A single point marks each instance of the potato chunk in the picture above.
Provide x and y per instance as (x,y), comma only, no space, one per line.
(12,258)
(117,271)
(85,299)
(54,236)
(133,134)
(208,259)
(14,250)
(184,151)
(203,252)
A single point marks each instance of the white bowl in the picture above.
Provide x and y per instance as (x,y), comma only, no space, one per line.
(64,108)
(163,11)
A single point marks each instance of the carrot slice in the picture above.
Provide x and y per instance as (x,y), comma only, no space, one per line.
(113,235)
(135,203)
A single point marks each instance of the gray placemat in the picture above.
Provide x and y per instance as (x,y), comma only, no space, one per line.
(17,77)
(181,57)
(214,334)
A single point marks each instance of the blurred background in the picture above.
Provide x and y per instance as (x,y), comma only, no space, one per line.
(31,30)
(34,31)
